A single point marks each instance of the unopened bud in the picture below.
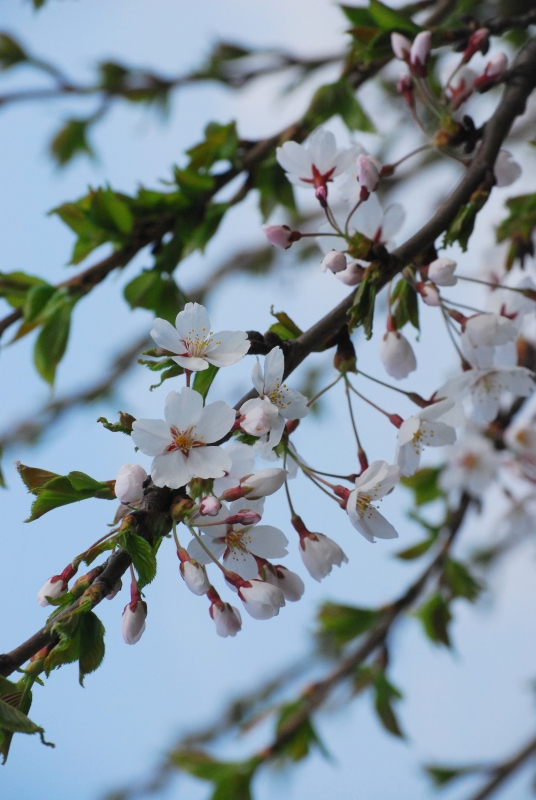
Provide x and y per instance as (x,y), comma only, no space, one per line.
(281,235)
(478,41)
(420,53)
(495,68)
(334,261)
(405,88)
(401,46)
(209,506)
(368,173)
(259,484)
(243,518)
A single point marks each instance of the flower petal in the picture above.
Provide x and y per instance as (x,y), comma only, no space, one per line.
(171,469)
(193,320)
(241,562)
(274,366)
(183,410)
(227,348)
(166,336)
(267,541)
(208,462)
(214,422)
(152,436)
(192,363)
(216,547)
(294,157)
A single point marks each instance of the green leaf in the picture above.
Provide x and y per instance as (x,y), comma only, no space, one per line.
(203,233)
(285,327)
(274,188)
(52,342)
(91,644)
(34,478)
(385,694)
(70,141)
(389,19)
(424,484)
(461,228)
(362,310)
(339,624)
(11,52)
(37,298)
(12,720)
(416,551)
(435,616)
(359,16)
(404,304)
(152,291)
(518,228)
(61,489)
(459,580)
(143,557)
(123,426)
(220,144)
(441,776)
(203,380)
(297,732)
(338,98)
(15,286)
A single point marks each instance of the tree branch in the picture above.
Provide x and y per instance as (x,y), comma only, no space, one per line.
(502,772)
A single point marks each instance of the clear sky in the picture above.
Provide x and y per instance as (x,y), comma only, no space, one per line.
(467,705)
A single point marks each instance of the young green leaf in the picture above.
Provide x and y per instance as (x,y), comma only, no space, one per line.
(339,624)
(91,644)
(435,616)
(385,695)
(203,380)
(52,342)
(143,557)
(70,141)
(424,484)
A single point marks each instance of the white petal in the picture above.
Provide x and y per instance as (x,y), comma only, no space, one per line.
(152,436)
(407,459)
(293,157)
(274,366)
(183,410)
(192,320)
(437,434)
(208,462)
(227,348)
(322,146)
(166,336)
(267,541)
(241,562)
(393,219)
(170,469)
(216,547)
(193,363)
(292,404)
(214,422)
(368,217)
(257,377)
(374,524)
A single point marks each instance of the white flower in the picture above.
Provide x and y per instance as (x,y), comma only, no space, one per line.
(441,272)
(471,466)
(239,543)
(423,429)
(503,300)
(482,333)
(226,618)
(401,46)
(289,582)
(133,622)
(334,261)
(314,163)
(397,355)
(260,416)
(486,387)
(181,443)
(319,553)
(506,169)
(281,235)
(129,483)
(195,344)
(242,463)
(195,577)
(521,438)
(264,482)
(54,588)
(291,404)
(373,484)
(420,52)
(261,600)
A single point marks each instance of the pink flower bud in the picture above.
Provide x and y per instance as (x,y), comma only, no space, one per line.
(352,275)
(429,294)
(261,600)
(245,517)
(397,355)
(133,622)
(54,588)
(289,582)
(420,53)
(494,70)
(259,484)
(401,46)
(333,261)
(209,506)
(226,618)
(479,40)
(368,172)
(281,235)
(441,272)
(258,416)
(319,553)
(129,483)
(195,577)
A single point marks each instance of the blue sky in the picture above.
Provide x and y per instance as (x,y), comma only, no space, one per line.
(471,704)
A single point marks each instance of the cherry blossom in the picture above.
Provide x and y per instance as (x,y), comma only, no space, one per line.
(237,542)
(512,304)
(334,261)
(401,46)
(263,482)
(315,163)
(259,417)
(352,275)
(53,588)
(373,484)
(194,342)
(227,619)
(482,333)
(209,506)
(493,71)
(134,616)
(425,429)
(521,438)
(429,294)
(129,483)
(289,582)
(261,600)
(472,465)
(397,355)
(281,235)
(441,272)
(486,387)
(195,576)
(181,444)
(242,463)
(319,553)
(369,172)
(419,54)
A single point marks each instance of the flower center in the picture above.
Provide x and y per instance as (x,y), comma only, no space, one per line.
(183,440)
(196,343)
(318,178)
(276,395)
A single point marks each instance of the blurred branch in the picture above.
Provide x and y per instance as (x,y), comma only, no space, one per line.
(505,770)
